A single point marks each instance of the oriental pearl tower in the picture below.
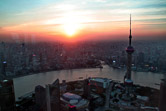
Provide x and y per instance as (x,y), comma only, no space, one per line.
(129,50)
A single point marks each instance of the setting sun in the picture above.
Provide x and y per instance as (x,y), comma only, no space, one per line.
(71,24)
(70,29)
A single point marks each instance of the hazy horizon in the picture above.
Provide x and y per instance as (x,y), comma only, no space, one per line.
(82,20)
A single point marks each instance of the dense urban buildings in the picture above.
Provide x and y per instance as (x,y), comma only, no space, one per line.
(75,55)
(25,58)
(88,94)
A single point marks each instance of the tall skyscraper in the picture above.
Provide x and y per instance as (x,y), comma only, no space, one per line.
(129,51)
(3,63)
(53,96)
(162,101)
(86,88)
(141,58)
(40,97)
(7,97)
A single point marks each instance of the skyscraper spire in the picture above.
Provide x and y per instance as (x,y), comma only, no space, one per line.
(130,32)
(130,24)
(129,51)
(127,78)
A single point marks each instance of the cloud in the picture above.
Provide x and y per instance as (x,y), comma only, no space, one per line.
(49,17)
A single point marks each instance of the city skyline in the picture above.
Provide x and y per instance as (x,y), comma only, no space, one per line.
(83,20)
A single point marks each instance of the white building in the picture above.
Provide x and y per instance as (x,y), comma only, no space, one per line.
(69,101)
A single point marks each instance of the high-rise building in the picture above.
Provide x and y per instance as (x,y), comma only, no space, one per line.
(40,97)
(162,102)
(3,63)
(53,96)
(129,51)
(86,88)
(127,78)
(7,97)
(140,58)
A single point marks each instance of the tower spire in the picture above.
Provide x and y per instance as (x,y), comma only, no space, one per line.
(130,32)
(130,24)
(129,51)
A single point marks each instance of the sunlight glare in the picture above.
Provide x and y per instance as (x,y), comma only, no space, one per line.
(70,29)
(71,24)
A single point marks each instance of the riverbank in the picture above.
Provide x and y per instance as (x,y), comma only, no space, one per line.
(76,87)
(25,84)
(124,69)
(16,76)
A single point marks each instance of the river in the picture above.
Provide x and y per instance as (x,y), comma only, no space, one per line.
(25,84)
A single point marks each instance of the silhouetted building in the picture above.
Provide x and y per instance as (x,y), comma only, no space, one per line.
(7,97)
(40,97)
(140,58)
(48,99)
(53,96)
(63,87)
(3,63)
(86,88)
(123,58)
(129,51)
(162,102)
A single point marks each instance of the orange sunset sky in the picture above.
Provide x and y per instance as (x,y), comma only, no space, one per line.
(83,19)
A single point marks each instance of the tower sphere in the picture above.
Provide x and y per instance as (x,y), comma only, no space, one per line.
(130,49)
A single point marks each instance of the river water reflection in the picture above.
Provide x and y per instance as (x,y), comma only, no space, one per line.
(27,84)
